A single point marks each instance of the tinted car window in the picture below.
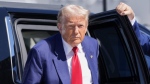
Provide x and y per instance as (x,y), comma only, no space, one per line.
(113,52)
(31,37)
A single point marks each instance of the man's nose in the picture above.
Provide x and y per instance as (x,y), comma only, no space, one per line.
(76,29)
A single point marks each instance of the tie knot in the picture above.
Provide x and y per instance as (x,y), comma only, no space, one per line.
(75,50)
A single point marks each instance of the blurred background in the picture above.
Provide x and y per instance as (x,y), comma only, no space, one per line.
(140,7)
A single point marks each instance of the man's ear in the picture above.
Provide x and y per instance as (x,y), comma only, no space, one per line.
(59,26)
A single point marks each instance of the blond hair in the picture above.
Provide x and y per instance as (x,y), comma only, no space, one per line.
(72,11)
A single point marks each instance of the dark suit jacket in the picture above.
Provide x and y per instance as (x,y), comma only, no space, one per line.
(144,42)
(46,63)
(143,39)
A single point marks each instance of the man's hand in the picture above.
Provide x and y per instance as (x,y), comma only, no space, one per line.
(124,9)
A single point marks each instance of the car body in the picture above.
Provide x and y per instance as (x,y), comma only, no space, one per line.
(121,59)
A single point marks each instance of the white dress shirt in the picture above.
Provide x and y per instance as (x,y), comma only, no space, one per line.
(132,21)
(86,73)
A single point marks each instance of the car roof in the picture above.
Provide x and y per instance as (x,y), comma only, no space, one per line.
(15,7)
(29,5)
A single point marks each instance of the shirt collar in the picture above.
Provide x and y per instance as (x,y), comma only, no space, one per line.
(68,48)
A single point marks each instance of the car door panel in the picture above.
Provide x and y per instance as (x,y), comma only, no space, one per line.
(121,58)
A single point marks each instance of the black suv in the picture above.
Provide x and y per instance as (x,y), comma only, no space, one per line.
(22,25)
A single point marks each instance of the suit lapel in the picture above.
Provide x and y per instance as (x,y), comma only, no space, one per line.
(60,61)
(88,54)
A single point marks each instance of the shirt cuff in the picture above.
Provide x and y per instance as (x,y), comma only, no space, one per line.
(132,21)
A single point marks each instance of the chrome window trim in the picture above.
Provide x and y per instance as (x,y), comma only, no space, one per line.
(10,41)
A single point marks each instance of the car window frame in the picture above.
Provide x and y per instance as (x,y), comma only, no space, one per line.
(20,41)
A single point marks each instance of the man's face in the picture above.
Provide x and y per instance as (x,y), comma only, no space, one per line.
(73,30)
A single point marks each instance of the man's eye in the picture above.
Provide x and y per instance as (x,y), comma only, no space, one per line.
(70,26)
(81,26)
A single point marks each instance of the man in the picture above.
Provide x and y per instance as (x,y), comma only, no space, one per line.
(68,57)
(50,61)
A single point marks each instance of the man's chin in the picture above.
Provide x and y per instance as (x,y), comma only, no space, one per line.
(77,42)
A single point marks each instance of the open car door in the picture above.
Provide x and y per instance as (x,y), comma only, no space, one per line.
(121,59)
